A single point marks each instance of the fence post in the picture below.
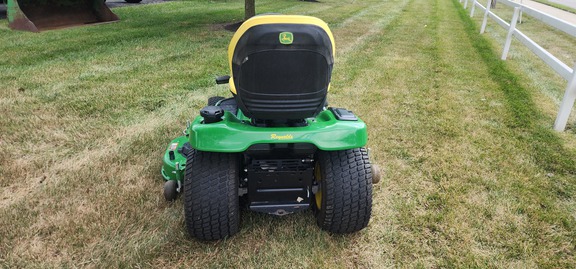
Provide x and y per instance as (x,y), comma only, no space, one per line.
(472,9)
(521,3)
(465,4)
(510,32)
(485,21)
(567,103)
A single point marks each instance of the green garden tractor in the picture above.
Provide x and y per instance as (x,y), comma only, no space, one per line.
(275,146)
(39,15)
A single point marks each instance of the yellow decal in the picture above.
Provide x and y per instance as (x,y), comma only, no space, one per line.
(281,137)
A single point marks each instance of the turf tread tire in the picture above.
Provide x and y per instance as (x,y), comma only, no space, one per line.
(211,204)
(346,184)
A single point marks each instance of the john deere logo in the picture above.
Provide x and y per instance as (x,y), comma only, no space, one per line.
(286,38)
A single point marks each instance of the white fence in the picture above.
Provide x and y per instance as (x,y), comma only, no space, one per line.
(561,68)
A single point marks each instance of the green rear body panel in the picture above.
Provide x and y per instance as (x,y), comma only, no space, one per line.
(236,134)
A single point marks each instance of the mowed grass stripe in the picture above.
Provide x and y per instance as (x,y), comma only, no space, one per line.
(460,189)
(87,104)
(526,117)
(98,174)
(403,91)
(545,200)
(459,153)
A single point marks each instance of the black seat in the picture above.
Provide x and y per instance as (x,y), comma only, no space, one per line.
(281,70)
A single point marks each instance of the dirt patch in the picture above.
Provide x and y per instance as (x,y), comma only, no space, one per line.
(232,27)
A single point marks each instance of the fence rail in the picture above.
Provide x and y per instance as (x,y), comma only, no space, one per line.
(560,67)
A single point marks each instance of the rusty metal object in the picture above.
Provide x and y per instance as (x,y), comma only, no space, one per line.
(40,15)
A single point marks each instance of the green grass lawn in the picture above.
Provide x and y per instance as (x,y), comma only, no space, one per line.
(473,174)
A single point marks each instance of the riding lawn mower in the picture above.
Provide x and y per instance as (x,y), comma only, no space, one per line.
(275,146)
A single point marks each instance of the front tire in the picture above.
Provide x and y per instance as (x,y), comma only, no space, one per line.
(170,190)
(211,204)
(344,198)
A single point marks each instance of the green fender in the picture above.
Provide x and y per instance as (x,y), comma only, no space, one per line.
(235,134)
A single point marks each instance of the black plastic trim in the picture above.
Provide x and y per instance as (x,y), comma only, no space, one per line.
(343,114)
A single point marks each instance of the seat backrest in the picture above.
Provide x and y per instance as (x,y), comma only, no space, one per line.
(281,66)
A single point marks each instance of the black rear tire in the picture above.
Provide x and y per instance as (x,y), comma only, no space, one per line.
(211,203)
(133,1)
(344,202)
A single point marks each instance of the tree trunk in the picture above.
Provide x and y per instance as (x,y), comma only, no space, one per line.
(493,4)
(249,9)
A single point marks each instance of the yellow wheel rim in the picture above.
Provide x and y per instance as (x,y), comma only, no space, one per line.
(318,194)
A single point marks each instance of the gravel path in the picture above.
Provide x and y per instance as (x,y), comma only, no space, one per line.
(568,3)
(561,14)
